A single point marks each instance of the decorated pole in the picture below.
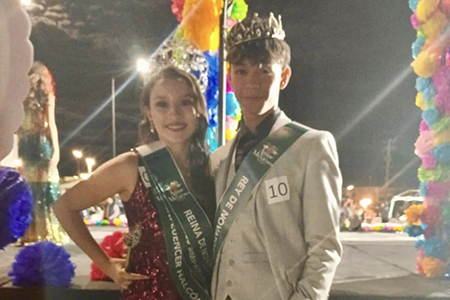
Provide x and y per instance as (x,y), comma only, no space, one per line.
(222,73)
(198,47)
(430,222)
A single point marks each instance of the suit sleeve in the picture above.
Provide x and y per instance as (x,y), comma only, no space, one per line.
(310,217)
(321,201)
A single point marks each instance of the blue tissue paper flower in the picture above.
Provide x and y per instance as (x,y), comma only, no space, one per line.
(442,153)
(413,5)
(16,206)
(430,116)
(436,247)
(413,230)
(43,263)
(416,46)
(423,189)
(232,104)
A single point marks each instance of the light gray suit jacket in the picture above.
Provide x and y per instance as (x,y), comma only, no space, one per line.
(284,244)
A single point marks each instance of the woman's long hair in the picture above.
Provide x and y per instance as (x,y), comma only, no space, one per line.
(198,149)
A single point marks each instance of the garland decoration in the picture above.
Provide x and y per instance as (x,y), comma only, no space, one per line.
(431,53)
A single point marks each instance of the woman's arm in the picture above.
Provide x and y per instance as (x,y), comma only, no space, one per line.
(53,130)
(118,175)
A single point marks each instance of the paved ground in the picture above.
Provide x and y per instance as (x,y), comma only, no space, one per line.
(375,264)
(382,264)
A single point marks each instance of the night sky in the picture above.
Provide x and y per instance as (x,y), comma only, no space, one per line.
(350,61)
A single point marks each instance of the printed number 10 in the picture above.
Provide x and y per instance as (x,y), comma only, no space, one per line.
(282,190)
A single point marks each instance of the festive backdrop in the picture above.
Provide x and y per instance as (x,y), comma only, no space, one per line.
(430,222)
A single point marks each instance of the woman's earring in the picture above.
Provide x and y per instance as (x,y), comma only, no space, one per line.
(152,126)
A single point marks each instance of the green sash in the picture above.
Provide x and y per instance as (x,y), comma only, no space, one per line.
(188,233)
(253,169)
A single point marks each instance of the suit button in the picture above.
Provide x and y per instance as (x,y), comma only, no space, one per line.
(229,283)
(231,262)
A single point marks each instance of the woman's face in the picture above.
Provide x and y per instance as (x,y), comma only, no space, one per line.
(172,110)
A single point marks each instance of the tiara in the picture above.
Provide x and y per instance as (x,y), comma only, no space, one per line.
(182,55)
(255,29)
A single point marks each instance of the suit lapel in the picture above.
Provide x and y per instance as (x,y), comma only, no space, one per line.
(226,170)
(280,122)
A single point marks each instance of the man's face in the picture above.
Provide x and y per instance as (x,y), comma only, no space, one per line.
(257,86)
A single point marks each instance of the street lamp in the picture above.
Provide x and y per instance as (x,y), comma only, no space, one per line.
(90,162)
(142,66)
(78,155)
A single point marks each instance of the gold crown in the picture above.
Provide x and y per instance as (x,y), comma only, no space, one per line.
(255,29)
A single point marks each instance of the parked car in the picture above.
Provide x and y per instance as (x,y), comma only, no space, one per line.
(403,201)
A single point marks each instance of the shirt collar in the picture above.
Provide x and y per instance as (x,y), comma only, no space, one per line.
(263,129)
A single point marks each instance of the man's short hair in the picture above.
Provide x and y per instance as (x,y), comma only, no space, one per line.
(265,51)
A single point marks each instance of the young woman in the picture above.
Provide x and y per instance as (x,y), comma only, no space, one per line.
(39,152)
(167,193)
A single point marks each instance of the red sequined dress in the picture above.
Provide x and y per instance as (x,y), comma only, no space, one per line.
(148,254)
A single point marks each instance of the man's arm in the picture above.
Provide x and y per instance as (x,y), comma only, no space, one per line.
(301,234)
(321,202)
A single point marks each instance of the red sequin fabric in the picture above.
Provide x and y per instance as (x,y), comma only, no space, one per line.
(148,254)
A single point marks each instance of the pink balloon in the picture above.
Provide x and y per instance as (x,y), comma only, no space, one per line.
(16,58)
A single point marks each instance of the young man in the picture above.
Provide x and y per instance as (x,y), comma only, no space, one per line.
(278,183)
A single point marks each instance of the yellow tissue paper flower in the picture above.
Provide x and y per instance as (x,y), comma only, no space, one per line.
(413,214)
(435,45)
(425,8)
(238,115)
(399,228)
(420,103)
(179,34)
(425,64)
(420,33)
(442,138)
(435,25)
(433,267)
(229,134)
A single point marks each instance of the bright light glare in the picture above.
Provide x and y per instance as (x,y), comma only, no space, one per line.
(25,2)
(85,176)
(77,153)
(143,65)
(90,161)
(350,187)
(365,202)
